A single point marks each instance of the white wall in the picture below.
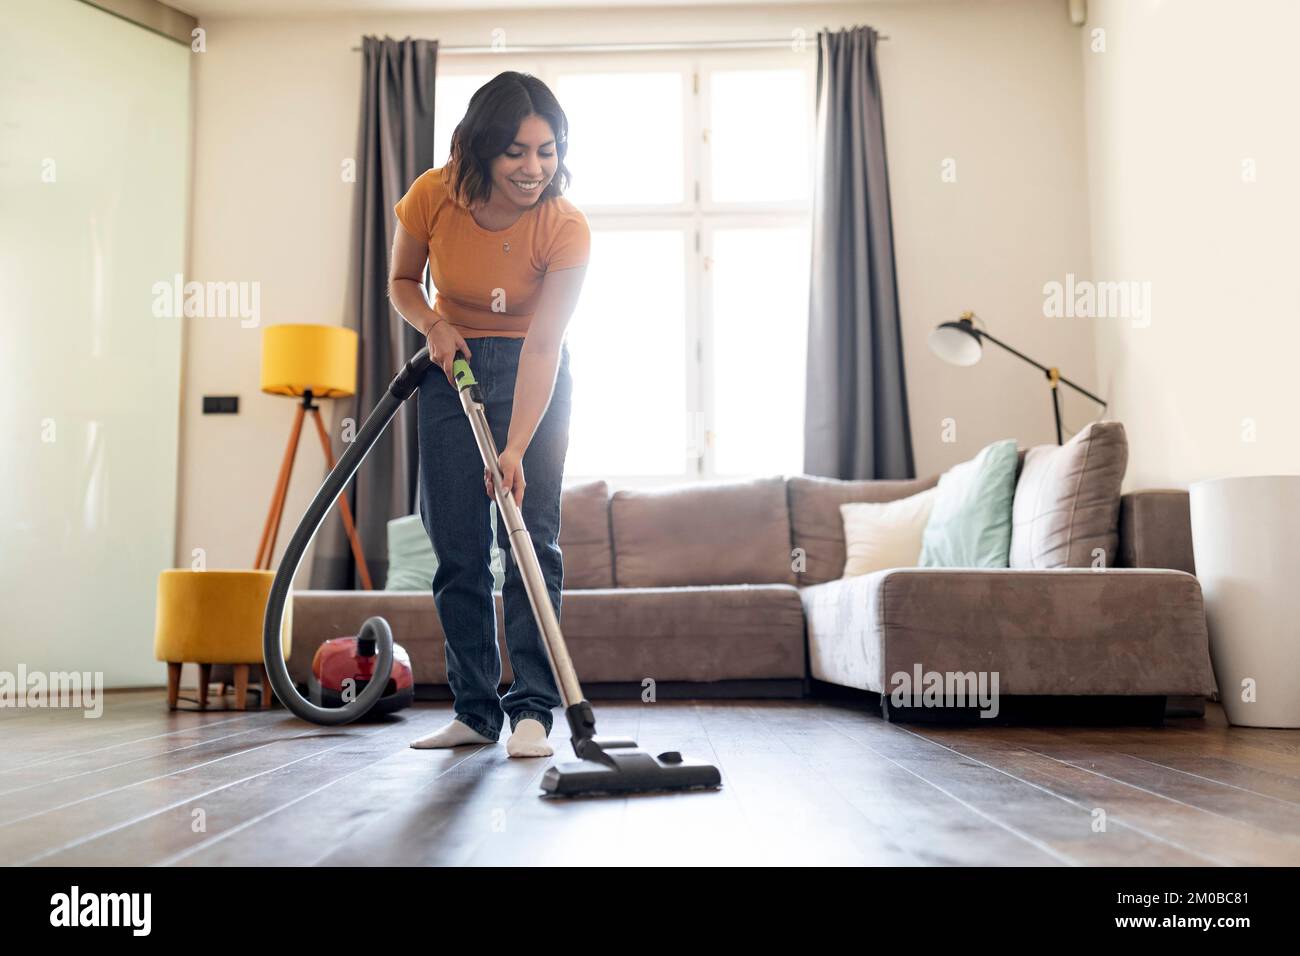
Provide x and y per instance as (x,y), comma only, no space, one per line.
(1184,94)
(994,85)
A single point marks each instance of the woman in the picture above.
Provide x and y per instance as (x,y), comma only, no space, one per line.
(507,254)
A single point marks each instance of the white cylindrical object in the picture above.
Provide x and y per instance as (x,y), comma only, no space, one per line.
(1246,538)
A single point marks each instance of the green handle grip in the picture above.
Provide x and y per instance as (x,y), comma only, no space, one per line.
(460,371)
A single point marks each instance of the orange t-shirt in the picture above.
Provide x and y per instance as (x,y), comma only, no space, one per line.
(487,282)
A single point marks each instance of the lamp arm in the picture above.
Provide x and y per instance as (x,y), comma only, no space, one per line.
(1039,365)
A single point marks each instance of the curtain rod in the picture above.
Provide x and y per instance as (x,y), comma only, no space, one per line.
(623,47)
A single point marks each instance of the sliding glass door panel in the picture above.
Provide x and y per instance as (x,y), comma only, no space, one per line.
(93,198)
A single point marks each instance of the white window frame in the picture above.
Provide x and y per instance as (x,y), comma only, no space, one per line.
(698,212)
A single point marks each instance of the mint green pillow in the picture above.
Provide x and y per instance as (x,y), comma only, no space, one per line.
(411,561)
(970,524)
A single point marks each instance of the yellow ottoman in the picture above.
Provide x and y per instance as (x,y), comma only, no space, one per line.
(215,617)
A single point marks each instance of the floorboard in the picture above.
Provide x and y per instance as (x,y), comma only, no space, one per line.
(805,782)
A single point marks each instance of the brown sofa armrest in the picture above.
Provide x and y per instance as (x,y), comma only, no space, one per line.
(1063,631)
(1155,530)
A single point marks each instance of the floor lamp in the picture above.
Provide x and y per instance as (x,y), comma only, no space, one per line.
(961,343)
(308,362)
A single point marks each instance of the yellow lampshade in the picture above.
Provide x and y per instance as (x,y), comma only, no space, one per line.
(296,358)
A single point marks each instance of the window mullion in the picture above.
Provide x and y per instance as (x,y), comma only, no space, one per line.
(702,353)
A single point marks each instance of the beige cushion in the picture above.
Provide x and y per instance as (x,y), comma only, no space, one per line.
(732,532)
(817,525)
(584,536)
(881,535)
(1067,500)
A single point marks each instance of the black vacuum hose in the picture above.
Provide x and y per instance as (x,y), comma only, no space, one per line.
(402,387)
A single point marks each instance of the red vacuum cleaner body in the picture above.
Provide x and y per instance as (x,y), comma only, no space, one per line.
(343,667)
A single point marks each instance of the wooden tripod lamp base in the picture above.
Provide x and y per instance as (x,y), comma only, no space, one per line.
(308,362)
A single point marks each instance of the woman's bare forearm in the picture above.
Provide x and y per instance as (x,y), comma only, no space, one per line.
(534,385)
(407,296)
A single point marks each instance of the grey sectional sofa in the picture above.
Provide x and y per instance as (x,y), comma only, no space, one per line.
(734,589)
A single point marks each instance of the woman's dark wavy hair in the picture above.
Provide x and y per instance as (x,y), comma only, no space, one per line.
(489,128)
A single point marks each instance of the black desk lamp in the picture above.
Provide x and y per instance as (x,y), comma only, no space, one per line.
(961,343)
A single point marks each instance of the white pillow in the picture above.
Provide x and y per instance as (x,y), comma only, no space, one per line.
(885,534)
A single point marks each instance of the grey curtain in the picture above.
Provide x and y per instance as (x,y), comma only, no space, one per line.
(856,421)
(394,146)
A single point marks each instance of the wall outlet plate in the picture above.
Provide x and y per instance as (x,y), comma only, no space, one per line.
(220,404)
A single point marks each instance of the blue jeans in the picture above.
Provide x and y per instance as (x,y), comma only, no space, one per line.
(455,508)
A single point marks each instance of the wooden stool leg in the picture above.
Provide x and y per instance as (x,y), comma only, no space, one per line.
(221,689)
(173,684)
(205,677)
(266,686)
(241,686)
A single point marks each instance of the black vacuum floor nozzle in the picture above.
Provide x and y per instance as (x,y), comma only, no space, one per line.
(618,765)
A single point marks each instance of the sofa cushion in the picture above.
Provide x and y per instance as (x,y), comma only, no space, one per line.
(817,526)
(885,534)
(733,532)
(584,540)
(738,632)
(725,632)
(584,536)
(412,563)
(970,525)
(1067,501)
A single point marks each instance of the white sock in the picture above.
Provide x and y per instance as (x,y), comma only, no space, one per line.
(454,734)
(529,740)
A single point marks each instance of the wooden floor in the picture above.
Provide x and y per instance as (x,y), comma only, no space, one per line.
(805,782)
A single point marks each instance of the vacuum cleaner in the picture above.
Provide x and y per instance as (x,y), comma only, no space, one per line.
(343,666)
(605,764)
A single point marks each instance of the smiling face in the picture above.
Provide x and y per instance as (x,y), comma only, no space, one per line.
(526,168)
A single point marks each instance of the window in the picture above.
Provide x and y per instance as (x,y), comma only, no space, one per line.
(627,154)
(451,96)
(688,344)
(626,344)
(758,366)
(759,131)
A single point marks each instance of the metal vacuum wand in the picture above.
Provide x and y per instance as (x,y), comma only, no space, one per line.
(521,543)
